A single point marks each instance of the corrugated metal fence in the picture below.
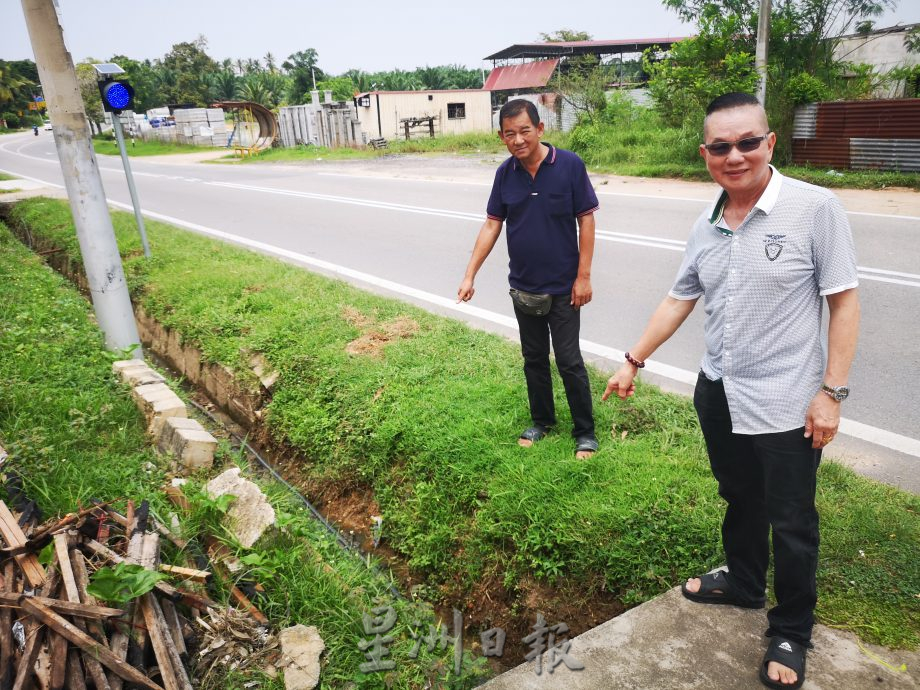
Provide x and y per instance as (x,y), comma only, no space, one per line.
(881,134)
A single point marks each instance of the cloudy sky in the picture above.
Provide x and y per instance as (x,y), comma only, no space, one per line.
(354,34)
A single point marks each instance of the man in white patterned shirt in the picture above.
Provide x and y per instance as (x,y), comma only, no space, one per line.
(765,256)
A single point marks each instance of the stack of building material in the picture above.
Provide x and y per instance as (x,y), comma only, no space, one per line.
(201,126)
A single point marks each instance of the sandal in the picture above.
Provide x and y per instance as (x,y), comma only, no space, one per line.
(707,594)
(534,433)
(788,653)
(585,444)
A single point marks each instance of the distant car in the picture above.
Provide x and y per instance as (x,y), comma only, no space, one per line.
(48,127)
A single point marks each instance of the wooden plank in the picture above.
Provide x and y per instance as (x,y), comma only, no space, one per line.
(93,627)
(58,651)
(93,667)
(86,643)
(158,637)
(76,680)
(185,573)
(175,627)
(29,655)
(7,586)
(10,600)
(14,536)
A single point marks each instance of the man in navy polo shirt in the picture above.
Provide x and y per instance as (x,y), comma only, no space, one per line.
(545,197)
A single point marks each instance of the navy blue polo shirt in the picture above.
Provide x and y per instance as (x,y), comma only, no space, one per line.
(540,219)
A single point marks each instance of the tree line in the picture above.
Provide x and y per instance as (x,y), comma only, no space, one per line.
(187,75)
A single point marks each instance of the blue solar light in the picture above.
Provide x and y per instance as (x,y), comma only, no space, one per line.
(117,96)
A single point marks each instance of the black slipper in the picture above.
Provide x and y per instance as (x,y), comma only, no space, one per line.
(534,433)
(788,653)
(707,594)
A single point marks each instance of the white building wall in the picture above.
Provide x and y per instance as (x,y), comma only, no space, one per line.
(396,105)
(884,49)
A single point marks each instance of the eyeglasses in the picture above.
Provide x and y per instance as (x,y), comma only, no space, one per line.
(722,148)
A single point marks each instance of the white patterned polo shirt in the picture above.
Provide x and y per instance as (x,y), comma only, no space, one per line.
(763,286)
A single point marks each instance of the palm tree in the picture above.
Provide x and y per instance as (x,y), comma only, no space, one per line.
(269,62)
(224,85)
(10,84)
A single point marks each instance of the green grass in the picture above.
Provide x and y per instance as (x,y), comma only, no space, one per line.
(636,143)
(472,143)
(429,429)
(74,434)
(4,176)
(109,147)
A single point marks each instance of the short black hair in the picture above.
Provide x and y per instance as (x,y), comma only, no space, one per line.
(515,107)
(734,99)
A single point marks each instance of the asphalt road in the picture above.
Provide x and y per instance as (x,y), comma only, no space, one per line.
(406,227)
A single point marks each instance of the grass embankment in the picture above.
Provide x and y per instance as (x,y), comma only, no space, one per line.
(428,427)
(106,145)
(634,141)
(74,434)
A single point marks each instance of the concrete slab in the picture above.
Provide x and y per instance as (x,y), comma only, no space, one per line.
(670,643)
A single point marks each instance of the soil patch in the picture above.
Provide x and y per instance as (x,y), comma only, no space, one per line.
(376,336)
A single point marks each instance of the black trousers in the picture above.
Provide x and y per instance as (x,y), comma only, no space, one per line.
(768,481)
(563,323)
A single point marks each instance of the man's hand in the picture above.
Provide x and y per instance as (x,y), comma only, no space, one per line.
(822,420)
(581,292)
(622,383)
(465,291)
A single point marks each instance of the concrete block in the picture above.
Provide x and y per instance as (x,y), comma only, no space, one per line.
(194,448)
(170,426)
(162,410)
(148,393)
(127,364)
(138,376)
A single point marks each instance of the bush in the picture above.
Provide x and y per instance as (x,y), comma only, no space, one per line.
(13,121)
(804,88)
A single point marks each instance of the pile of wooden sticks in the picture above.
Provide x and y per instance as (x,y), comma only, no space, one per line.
(54,634)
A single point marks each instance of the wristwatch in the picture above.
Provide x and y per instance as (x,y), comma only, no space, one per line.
(838,393)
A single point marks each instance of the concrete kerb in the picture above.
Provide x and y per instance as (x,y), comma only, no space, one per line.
(671,643)
(167,417)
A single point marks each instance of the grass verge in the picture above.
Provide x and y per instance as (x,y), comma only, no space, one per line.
(74,434)
(426,425)
(472,143)
(107,146)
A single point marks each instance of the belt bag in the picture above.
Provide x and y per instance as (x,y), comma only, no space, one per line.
(530,303)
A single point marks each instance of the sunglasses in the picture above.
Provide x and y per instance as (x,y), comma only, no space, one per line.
(722,148)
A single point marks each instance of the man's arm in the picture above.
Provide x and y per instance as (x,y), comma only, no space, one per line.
(581,290)
(488,234)
(823,415)
(668,317)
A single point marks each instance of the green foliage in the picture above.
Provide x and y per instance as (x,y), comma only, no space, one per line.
(73,433)
(428,428)
(18,82)
(13,121)
(801,66)
(123,583)
(804,88)
(186,73)
(699,69)
(343,88)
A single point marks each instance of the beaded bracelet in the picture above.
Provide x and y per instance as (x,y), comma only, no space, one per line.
(635,362)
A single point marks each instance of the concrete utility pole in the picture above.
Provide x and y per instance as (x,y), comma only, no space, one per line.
(763,40)
(101,260)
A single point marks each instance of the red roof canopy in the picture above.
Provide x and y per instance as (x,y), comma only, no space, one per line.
(523,76)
